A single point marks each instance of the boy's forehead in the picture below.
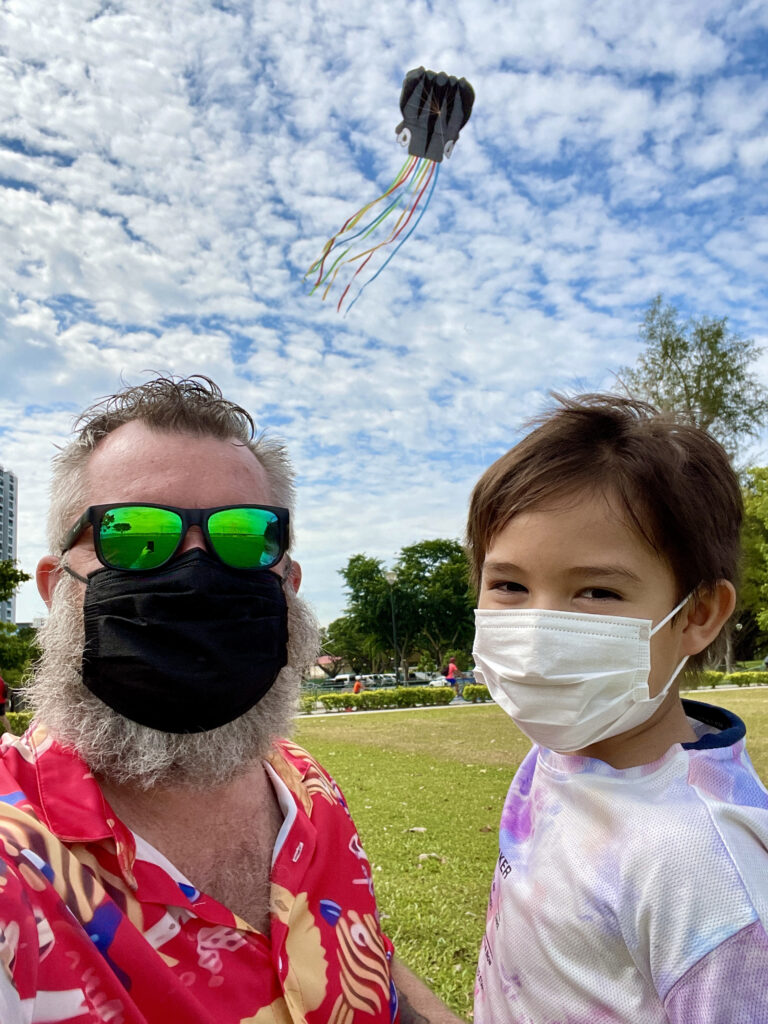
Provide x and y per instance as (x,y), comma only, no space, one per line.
(571,526)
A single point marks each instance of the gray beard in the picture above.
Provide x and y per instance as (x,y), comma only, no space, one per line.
(126,753)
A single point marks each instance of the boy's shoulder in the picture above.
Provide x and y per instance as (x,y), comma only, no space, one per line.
(685,803)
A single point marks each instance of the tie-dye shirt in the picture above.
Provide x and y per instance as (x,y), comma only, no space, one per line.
(637,896)
(97,926)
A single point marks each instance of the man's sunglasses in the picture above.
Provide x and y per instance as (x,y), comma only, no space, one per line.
(138,537)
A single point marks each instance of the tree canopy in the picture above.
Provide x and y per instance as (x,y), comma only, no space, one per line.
(18,649)
(429,598)
(701,370)
(753,597)
(11,578)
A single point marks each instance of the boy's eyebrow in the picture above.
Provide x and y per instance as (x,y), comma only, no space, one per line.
(506,567)
(603,572)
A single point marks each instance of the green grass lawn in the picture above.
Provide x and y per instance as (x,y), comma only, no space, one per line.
(446,772)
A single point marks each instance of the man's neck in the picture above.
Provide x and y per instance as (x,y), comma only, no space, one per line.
(171,809)
(221,839)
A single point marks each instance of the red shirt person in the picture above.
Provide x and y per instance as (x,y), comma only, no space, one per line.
(162,856)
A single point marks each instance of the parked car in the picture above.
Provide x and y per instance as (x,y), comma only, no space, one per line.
(340,682)
(374,680)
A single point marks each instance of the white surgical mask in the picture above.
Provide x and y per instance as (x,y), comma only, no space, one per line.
(568,679)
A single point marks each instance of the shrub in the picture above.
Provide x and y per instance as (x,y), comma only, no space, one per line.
(475,693)
(369,700)
(399,697)
(698,680)
(437,696)
(709,678)
(746,679)
(307,702)
(424,696)
(18,721)
(336,701)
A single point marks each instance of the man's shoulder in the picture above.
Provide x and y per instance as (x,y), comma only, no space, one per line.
(305,777)
(296,756)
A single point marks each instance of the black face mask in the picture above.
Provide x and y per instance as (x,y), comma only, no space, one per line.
(187,648)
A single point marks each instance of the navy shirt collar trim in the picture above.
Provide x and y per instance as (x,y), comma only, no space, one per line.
(730,727)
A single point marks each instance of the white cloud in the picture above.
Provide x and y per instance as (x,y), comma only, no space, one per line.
(169,173)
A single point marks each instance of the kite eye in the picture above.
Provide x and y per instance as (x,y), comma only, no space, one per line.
(404,137)
(448,149)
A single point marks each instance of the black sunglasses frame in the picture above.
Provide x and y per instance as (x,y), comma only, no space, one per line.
(94,515)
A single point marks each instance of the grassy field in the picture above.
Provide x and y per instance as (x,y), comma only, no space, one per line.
(444,773)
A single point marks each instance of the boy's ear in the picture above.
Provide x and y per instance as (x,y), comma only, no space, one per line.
(709,612)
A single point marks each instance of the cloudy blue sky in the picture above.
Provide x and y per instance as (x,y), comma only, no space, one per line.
(168,171)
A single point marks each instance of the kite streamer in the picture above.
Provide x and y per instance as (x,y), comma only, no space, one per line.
(435,107)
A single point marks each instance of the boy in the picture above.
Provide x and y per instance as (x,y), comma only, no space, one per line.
(632,881)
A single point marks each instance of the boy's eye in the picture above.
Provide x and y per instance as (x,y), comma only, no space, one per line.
(599,594)
(507,586)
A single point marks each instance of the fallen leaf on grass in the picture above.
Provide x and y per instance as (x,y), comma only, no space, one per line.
(487,828)
(431,856)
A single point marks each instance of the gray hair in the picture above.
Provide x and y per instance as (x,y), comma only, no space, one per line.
(193,405)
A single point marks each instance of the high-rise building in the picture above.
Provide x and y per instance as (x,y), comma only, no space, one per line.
(8,520)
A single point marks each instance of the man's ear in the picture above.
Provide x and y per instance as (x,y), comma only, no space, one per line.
(709,612)
(47,575)
(294,577)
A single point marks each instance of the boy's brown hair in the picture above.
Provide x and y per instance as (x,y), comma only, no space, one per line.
(673,481)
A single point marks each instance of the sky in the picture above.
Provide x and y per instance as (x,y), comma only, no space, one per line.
(169,171)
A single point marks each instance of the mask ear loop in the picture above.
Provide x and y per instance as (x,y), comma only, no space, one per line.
(675,610)
(665,690)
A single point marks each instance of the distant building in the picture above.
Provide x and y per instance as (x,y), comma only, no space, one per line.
(8,521)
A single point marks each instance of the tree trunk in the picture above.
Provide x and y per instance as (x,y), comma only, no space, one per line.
(728,648)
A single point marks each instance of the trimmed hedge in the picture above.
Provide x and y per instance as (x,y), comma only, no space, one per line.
(18,721)
(708,678)
(399,697)
(746,679)
(476,692)
(307,703)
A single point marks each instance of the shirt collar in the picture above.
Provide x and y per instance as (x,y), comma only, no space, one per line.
(72,804)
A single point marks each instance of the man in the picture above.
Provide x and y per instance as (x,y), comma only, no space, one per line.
(163,855)
(452,676)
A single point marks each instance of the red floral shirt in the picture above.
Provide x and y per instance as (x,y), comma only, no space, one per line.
(96,926)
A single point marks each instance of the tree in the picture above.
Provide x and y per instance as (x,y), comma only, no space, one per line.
(370,607)
(437,572)
(18,649)
(344,642)
(11,578)
(700,370)
(430,599)
(753,598)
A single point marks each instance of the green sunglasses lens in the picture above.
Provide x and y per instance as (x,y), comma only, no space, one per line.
(139,537)
(245,538)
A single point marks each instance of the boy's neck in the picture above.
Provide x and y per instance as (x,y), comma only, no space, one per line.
(649,741)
